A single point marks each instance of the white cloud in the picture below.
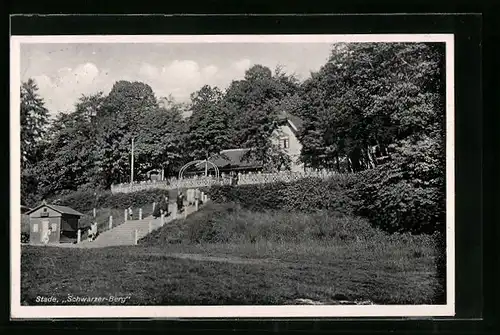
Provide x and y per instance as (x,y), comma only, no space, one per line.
(62,90)
(179,78)
(210,71)
(148,70)
(242,65)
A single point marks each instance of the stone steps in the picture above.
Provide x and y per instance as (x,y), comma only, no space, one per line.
(124,234)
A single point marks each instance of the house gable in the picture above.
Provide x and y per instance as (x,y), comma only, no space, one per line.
(287,135)
(53,211)
(44,211)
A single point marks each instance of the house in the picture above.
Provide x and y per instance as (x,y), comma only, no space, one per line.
(61,222)
(286,137)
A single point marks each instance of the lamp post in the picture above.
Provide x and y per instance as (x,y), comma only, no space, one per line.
(132,163)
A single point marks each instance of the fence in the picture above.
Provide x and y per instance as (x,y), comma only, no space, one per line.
(244,179)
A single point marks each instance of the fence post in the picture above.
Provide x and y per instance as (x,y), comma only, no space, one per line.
(202,195)
(94,212)
(154,206)
(78,236)
(185,212)
(110,221)
(140,213)
(135,237)
(196,204)
(150,227)
(125,216)
(162,219)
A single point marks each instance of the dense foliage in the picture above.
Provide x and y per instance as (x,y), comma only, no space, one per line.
(309,194)
(374,109)
(85,201)
(90,147)
(379,109)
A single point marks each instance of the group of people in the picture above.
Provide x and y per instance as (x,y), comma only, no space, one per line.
(234,179)
(93,233)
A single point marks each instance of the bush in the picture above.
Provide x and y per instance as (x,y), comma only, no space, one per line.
(86,200)
(308,194)
(231,223)
(406,194)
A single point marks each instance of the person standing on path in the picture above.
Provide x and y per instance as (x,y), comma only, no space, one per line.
(46,236)
(130,213)
(180,202)
(197,195)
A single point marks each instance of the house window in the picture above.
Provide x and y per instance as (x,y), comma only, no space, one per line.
(285,143)
(54,226)
(35,227)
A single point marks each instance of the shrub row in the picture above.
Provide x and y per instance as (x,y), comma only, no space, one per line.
(385,196)
(86,200)
(396,204)
(308,194)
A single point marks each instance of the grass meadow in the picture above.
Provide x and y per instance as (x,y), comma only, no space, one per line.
(225,254)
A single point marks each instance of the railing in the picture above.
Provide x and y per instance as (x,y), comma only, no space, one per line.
(244,179)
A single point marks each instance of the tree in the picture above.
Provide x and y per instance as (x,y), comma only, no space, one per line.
(119,121)
(90,106)
(370,95)
(68,161)
(254,105)
(34,120)
(209,128)
(160,139)
(388,97)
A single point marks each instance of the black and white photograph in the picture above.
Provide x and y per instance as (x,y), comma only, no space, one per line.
(232,176)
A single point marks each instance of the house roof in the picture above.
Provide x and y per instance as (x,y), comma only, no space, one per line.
(232,158)
(60,209)
(295,122)
(25,209)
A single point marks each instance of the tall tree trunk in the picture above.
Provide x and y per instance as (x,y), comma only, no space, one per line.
(349,165)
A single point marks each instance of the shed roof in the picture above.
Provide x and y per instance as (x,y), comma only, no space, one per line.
(60,209)
(25,209)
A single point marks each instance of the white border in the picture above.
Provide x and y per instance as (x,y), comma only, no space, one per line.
(53,312)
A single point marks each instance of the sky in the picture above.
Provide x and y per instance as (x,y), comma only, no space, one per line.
(63,72)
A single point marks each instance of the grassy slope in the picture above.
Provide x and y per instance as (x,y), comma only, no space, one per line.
(152,277)
(383,269)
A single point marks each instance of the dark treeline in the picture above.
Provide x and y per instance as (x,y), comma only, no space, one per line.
(374,107)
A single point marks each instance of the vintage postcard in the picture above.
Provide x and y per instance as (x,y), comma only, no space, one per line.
(232,176)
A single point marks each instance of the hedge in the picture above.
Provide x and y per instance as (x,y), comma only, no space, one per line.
(84,201)
(308,194)
(384,196)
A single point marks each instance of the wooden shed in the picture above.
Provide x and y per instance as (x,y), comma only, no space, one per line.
(57,224)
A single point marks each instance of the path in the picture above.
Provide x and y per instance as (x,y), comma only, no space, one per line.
(124,234)
(219,259)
